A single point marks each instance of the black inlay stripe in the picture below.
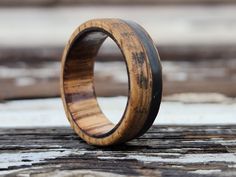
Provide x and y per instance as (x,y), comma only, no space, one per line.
(156,69)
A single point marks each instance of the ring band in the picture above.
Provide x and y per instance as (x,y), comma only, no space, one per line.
(77,87)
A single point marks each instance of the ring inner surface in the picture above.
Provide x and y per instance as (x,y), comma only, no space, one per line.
(78,81)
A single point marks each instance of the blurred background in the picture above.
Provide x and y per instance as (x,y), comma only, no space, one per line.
(196,40)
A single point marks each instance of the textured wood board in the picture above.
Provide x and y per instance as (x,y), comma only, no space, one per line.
(168,25)
(163,151)
(41,79)
(110,53)
(206,33)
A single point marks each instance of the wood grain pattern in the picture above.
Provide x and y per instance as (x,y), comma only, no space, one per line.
(187,151)
(144,73)
(174,52)
(20,80)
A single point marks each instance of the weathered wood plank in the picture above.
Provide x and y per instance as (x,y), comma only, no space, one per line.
(108,53)
(163,151)
(167,25)
(41,79)
(197,36)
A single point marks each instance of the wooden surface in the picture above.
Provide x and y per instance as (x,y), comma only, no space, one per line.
(163,151)
(177,52)
(198,49)
(178,26)
(41,79)
(29,53)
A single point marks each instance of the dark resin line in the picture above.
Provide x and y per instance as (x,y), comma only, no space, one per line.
(156,68)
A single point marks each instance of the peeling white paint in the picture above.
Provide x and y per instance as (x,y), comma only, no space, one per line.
(184,159)
(21,158)
(45,71)
(190,158)
(6,172)
(25,81)
(215,140)
(29,158)
(205,172)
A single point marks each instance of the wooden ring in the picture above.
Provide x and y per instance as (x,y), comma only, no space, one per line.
(77,87)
